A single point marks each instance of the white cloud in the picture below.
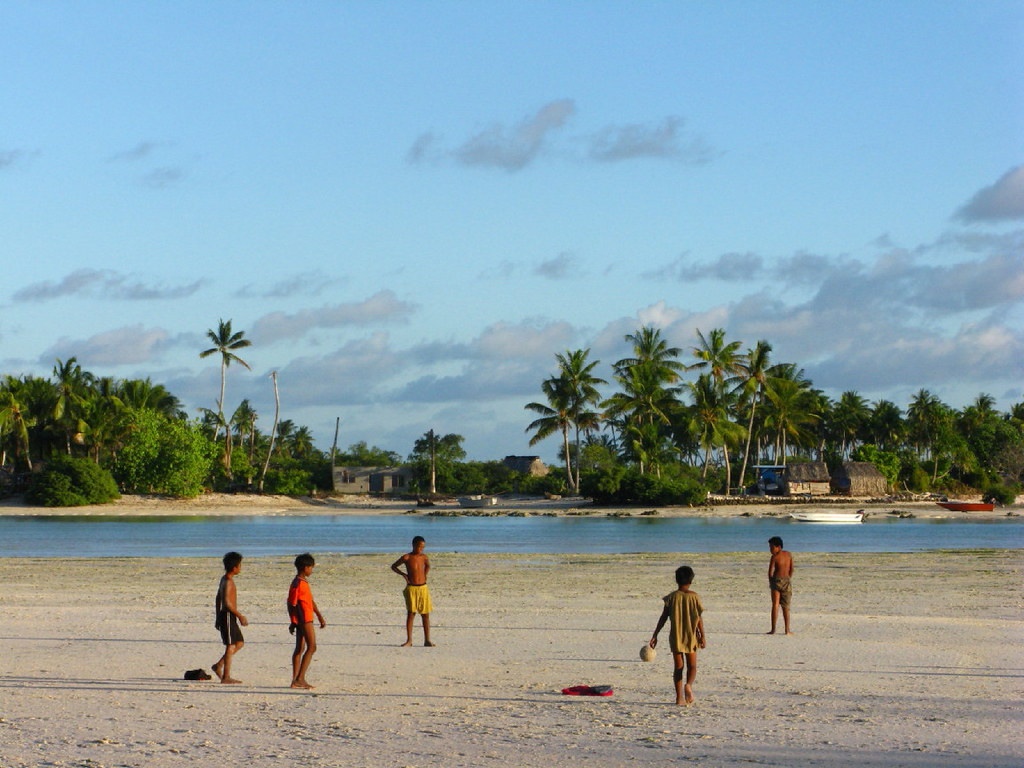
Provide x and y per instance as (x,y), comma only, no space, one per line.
(103,284)
(130,345)
(1001,201)
(382,307)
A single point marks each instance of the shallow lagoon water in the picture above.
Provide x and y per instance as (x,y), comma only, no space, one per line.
(74,536)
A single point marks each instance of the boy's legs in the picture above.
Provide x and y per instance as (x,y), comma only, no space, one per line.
(691,675)
(408,629)
(776,596)
(426,630)
(305,636)
(223,666)
(677,676)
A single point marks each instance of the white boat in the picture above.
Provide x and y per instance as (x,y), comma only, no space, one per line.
(836,518)
(477,501)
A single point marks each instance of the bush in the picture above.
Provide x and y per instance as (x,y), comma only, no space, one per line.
(618,485)
(71,482)
(1003,495)
(290,481)
(162,455)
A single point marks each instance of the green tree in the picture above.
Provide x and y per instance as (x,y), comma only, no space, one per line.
(165,456)
(14,422)
(754,372)
(446,450)
(225,343)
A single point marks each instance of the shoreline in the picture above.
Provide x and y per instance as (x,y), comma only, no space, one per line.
(223,505)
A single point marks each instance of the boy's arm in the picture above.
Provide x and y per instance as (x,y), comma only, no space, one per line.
(399,571)
(657,629)
(701,637)
(230,599)
(316,610)
(772,565)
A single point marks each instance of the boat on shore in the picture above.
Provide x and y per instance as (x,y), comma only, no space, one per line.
(967,506)
(835,518)
(477,501)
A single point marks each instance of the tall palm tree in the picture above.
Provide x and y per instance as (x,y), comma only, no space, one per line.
(555,416)
(72,385)
(712,406)
(753,372)
(15,420)
(887,425)
(225,343)
(719,358)
(643,402)
(791,416)
(850,416)
(649,348)
(580,385)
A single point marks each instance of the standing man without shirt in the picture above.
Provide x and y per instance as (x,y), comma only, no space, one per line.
(229,617)
(417,593)
(780,571)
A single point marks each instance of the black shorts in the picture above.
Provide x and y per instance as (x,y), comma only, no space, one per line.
(229,631)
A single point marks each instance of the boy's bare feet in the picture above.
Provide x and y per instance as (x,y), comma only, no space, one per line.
(406,644)
(428,644)
(218,670)
(688,691)
(230,681)
(301,684)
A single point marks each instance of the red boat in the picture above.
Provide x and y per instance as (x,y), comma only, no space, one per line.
(967,506)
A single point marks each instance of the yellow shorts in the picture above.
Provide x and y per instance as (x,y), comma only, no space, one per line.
(417,599)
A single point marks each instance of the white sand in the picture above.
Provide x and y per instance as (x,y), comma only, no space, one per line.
(909,659)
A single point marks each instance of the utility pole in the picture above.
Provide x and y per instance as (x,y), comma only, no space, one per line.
(433,464)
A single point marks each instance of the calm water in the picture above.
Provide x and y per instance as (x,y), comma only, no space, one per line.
(255,536)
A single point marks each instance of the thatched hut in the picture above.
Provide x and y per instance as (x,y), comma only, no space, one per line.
(808,477)
(859,478)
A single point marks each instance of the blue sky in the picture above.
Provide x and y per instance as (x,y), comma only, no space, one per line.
(410,208)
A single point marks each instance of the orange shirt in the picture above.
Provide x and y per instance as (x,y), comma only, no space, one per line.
(300,600)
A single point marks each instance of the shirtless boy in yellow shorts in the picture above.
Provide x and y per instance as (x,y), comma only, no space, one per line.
(417,593)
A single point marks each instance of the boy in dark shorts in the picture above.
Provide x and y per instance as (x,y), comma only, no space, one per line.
(780,571)
(229,617)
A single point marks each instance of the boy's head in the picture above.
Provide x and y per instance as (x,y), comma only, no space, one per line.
(231,560)
(684,575)
(418,542)
(775,541)
(303,561)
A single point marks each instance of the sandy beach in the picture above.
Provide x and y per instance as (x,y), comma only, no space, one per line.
(896,660)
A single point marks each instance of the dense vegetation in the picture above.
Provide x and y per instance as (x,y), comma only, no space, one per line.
(669,428)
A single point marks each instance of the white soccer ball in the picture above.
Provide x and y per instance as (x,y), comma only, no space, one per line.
(647,653)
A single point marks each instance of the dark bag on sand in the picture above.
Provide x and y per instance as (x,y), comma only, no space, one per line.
(197,674)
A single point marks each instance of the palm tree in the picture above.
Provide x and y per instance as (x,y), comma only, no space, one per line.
(643,409)
(72,389)
(555,417)
(791,415)
(15,420)
(886,425)
(649,348)
(225,343)
(580,385)
(711,411)
(753,371)
(850,416)
(143,394)
(721,360)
